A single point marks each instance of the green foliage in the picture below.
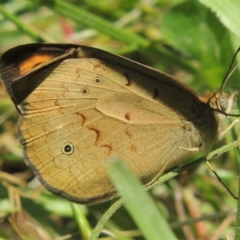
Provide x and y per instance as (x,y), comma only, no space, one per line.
(192,40)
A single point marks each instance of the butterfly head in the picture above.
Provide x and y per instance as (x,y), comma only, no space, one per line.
(222,102)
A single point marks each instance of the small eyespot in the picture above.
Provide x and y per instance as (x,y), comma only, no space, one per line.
(68,148)
(85,91)
(98,81)
(223,102)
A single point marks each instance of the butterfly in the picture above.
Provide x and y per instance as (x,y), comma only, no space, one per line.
(80,106)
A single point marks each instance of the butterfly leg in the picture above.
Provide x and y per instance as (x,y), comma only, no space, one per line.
(194,149)
(223,133)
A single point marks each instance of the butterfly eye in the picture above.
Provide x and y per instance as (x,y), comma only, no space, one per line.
(68,148)
(97,80)
(223,102)
(85,91)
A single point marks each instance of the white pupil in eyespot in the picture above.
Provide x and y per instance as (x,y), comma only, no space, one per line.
(67,148)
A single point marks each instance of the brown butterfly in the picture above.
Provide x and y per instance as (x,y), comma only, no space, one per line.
(81,106)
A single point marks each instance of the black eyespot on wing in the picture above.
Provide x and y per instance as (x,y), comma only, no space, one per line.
(68,148)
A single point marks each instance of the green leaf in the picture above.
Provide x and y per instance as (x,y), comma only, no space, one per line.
(227,11)
(204,39)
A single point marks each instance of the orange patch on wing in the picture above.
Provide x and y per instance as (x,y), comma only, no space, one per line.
(31,62)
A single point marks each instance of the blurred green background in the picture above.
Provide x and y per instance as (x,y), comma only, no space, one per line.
(191,40)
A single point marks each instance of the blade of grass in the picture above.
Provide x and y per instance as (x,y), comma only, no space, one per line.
(138,202)
(81,220)
(237,227)
(105,217)
(83,17)
(21,25)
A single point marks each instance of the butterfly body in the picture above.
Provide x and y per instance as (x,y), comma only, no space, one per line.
(81,106)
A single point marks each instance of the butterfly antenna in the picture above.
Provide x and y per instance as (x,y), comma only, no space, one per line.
(230,70)
(229,73)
